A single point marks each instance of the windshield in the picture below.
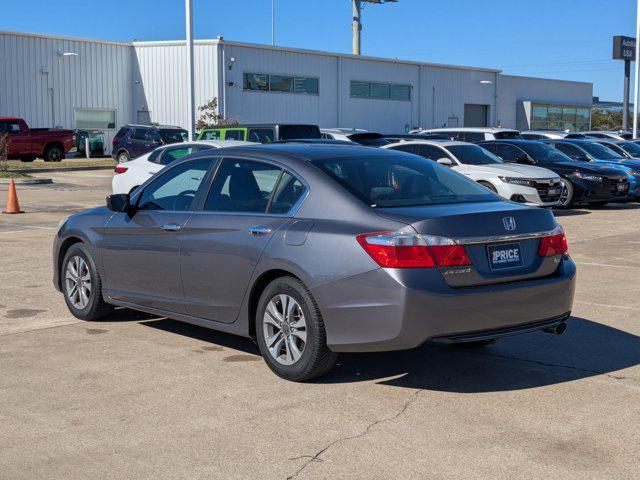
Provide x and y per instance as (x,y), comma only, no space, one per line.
(402,181)
(295,132)
(631,148)
(174,136)
(599,152)
(544,153)
(473,155)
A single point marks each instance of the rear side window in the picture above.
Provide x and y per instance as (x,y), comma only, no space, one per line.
(260,135)
(296,132)
(406,148)
(235,134)
(139,134)
(288,191)
(402,180)
(431,152)
(508,153)
(173,135)
(472,136)
(532,136)
(508,135)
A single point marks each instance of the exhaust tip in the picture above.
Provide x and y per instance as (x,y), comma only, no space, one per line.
(557,329)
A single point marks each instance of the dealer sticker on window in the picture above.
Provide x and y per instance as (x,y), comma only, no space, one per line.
(504,255)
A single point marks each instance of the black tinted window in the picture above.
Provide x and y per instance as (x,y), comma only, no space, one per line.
(472,136)
(242,186)
(508,135)
(292,132)
(121,133)
(573,152)
(473,155)
(260,135)
(175,189)
(406,148)
(402,180)
(173,136)
(508,153)
(431,152)
(544,153)
(139,134)
(287,193)
(234,135)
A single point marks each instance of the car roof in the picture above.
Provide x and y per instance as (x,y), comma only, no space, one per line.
(133,125)
(437,143)
(343,130)
(471,129)
(259,125)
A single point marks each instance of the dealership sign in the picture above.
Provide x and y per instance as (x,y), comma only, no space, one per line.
(624,48)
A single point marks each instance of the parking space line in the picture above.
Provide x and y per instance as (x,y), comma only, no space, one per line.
(31,227)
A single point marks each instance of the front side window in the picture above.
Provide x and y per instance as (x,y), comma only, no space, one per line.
(175,189)
(431,152)
(14,127)
(572,152)
(401,181)
(154,136)
(543,153)
(631,148)
(508,153)
(600,151)
(472,136)
(473,155)
(242,186)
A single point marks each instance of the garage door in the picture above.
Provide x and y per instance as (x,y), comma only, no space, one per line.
(476,115)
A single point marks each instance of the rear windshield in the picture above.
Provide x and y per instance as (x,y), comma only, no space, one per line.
(173,136)
(600,152)
(402,180)
(514,135)
(369,139)
(293,132)
(543,153)
(473,155)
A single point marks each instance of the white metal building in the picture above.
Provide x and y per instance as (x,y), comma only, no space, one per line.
(80,83)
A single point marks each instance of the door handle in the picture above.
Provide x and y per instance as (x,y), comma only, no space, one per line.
(257,230)
(171,227)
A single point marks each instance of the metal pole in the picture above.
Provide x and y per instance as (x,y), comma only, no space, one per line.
(273,22)
(356,26)
(191,100)
(625,99)
(635,90)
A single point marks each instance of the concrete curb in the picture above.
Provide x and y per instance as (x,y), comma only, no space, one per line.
(26,181)
(61,169)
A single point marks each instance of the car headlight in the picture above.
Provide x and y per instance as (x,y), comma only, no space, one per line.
(517,181)
(586,176)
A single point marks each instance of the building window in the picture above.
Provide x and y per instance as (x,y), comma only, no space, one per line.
(94,119)
(281,83)
(381,91)
(552,117)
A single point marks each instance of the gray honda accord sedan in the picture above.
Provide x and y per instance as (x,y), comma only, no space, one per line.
(315,249)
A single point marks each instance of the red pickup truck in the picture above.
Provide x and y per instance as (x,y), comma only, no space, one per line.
(26,144)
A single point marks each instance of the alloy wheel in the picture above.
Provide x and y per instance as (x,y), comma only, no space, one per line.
(566,194)
(285,329)
(78,282)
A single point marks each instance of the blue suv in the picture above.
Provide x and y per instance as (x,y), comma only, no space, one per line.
(132,141)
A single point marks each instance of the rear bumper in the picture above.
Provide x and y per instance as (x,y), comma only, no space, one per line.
(386,310)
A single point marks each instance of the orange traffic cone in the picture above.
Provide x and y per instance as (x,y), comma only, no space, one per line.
(13,206)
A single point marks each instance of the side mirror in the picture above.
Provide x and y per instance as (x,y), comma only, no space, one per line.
(445,161)
(119,202)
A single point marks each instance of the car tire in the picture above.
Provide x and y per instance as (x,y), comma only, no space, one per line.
(53,154)
(78,270)
(123,156)
(297,347)
(489,186)
(566,197)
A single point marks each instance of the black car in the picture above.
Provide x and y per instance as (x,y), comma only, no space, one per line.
(132,141)
(583,182)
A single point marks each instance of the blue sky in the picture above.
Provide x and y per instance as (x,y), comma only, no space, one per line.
(567,39)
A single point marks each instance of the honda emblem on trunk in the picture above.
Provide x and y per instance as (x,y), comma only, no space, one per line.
(509,223)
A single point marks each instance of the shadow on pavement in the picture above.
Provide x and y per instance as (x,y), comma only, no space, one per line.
(222,339)
(570,213)
(527,361)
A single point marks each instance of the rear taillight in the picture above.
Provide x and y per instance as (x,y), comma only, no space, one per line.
(409,250)
(554,244)
(120,169)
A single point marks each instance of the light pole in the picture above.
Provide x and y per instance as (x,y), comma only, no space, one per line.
(191,100)
(356,23)
(635,94)
(273,22)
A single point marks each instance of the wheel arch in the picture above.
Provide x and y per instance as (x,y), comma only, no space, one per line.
(261,282)
(53,144)
(62,252)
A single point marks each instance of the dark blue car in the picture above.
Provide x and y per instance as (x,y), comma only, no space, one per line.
(132,141)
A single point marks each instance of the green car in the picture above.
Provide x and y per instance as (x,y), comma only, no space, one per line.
(263,133)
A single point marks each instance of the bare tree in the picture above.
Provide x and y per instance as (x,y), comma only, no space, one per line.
(4,151)
(209,116)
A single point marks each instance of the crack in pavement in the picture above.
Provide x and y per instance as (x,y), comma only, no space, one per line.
(405,406)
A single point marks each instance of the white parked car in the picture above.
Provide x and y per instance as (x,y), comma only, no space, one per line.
(340,133)
(130,175)
(355,135)
(475,134)
(550,135)
(525,184)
